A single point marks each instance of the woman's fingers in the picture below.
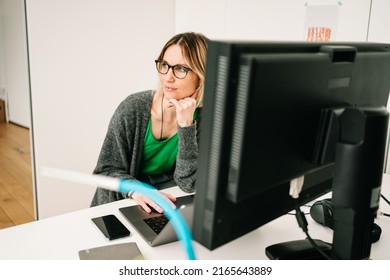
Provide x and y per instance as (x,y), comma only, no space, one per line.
(148,204)
(185,109)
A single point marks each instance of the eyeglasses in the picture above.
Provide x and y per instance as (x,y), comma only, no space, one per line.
(178,70)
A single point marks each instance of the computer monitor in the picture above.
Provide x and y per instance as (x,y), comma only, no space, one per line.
(275,111)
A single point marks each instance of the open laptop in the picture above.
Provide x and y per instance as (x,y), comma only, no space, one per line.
(154,227)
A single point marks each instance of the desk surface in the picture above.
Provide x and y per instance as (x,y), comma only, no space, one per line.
(62,237)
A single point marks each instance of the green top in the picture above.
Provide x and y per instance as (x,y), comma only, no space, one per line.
(159,157)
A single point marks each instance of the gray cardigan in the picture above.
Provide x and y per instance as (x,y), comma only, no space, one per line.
(121,153)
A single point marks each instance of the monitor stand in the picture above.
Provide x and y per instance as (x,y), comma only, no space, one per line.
(359,160)
(298,250)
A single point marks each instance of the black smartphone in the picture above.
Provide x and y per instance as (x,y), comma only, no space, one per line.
(111,227)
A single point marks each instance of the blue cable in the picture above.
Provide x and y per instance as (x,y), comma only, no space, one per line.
(177,220)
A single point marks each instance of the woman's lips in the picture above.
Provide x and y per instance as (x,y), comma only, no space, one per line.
(169,89)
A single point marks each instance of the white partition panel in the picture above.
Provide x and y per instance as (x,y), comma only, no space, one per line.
(86,56)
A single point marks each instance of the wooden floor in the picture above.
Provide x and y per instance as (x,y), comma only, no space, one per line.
(16,191)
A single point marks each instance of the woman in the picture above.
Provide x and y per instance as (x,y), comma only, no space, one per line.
(153,135)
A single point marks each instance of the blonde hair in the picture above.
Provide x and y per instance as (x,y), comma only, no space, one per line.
(194,48)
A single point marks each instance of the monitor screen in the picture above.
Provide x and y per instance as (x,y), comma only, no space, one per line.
(263,125)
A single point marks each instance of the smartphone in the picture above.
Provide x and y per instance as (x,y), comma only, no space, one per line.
(111,227)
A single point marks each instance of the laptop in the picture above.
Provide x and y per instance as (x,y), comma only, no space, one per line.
(154,227)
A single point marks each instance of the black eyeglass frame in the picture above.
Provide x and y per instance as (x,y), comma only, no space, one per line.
(188,69)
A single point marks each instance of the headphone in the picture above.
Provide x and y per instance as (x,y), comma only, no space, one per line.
(322,212)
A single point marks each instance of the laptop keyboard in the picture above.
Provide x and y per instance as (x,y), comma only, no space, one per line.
(157,223)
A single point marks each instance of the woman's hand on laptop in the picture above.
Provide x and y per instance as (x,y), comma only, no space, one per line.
(148,204)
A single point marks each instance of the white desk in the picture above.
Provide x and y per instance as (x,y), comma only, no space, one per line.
(62,237)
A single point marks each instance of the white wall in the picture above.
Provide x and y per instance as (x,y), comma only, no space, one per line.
(14,85)
(380,21)
(380,32)
(85,57)
(267,20)
(2,65)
